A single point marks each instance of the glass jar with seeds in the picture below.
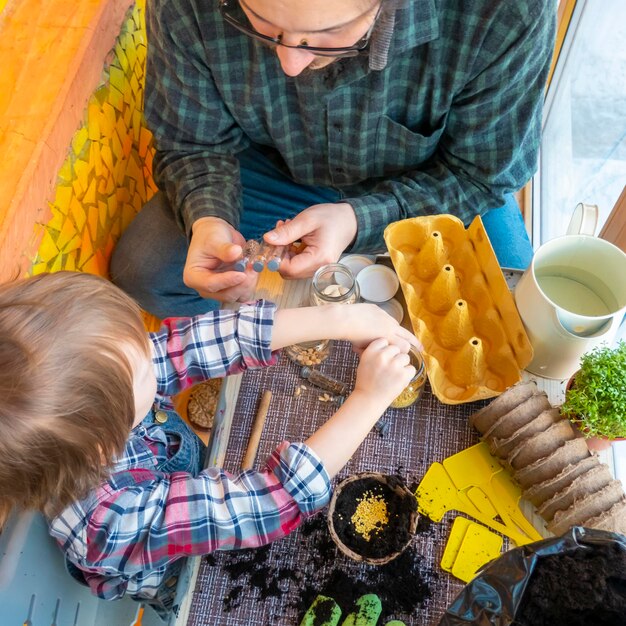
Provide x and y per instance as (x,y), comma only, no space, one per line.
(413,390)
(331,284)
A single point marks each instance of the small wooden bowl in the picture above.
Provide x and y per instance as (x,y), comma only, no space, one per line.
(399,494)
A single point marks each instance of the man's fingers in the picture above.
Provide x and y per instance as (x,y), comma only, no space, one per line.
(300,265)
(225,280)
(206,282)
(289,231)
(227,252)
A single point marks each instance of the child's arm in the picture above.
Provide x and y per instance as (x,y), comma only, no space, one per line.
(152,518)
(357,323)
(189,350)
(384,371)
(142,519)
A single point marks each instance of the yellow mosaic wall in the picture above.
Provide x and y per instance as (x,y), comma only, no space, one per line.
(107,175)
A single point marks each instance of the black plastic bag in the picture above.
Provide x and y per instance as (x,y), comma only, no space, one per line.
(494,596)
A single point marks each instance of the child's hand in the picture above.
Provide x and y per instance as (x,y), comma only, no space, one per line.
(362,323)
(384,371)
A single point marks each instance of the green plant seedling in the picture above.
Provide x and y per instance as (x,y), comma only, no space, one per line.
(596,400)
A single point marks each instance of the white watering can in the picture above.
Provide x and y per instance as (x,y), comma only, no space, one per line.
(572,297)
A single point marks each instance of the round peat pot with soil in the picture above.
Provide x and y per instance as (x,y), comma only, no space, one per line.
(372,517)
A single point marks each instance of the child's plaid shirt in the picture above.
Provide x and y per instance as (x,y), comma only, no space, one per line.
(126,534)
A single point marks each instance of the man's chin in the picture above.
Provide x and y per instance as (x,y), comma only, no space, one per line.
(319,64)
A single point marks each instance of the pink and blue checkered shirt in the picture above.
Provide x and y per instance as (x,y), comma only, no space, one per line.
(125,535)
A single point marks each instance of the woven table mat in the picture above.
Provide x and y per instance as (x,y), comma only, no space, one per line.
(293,572)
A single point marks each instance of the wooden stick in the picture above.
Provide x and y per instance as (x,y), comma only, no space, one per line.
(257,429)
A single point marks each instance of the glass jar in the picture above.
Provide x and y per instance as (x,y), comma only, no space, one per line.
(331,284)
(412,392)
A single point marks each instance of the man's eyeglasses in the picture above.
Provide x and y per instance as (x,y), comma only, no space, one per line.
(233,13)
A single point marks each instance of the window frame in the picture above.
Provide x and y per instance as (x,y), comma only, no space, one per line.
(569,16)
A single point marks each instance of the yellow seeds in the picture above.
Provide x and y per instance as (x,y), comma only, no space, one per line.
(406,398)
(371,515)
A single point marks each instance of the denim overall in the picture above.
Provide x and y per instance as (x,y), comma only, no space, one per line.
(189,458)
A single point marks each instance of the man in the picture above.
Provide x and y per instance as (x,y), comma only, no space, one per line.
(331,118)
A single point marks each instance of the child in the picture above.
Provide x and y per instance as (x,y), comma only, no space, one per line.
(89,437)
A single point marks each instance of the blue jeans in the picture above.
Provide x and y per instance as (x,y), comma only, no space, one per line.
(149,259)
(189,458)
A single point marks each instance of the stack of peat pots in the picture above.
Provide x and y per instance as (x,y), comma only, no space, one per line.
(551,462)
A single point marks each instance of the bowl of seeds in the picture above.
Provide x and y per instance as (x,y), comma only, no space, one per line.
(199,404)
(372,517)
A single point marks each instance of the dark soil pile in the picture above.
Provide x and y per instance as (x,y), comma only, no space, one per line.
(586,587)
(391,535)
(402,585)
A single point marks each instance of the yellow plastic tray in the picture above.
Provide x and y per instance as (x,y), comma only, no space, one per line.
(460,307)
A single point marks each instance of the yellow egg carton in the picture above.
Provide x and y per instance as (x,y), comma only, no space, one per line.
(460,306)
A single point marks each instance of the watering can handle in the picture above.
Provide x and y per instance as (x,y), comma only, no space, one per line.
(584,220)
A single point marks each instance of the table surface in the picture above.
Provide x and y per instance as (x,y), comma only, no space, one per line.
(282,579)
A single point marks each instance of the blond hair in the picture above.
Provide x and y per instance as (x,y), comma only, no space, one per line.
(66,387)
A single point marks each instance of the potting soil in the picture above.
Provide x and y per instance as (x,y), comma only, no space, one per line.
(402,585)
(585,587)
(324,611)
(389,535)
(286,577)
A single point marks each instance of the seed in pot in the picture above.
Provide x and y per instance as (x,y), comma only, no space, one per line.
(371,515)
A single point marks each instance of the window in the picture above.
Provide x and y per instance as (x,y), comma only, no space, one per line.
(583,149)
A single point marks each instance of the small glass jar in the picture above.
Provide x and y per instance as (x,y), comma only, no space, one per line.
(412,392)
(331,284)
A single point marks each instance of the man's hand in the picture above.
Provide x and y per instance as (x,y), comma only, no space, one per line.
(325,231)
(214,244)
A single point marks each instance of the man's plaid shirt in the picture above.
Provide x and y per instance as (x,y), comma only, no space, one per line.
(125,534)
(451,125)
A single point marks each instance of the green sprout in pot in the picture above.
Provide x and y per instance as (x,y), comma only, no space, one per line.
(596,396)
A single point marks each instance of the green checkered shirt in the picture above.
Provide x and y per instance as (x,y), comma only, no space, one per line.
(451,125)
